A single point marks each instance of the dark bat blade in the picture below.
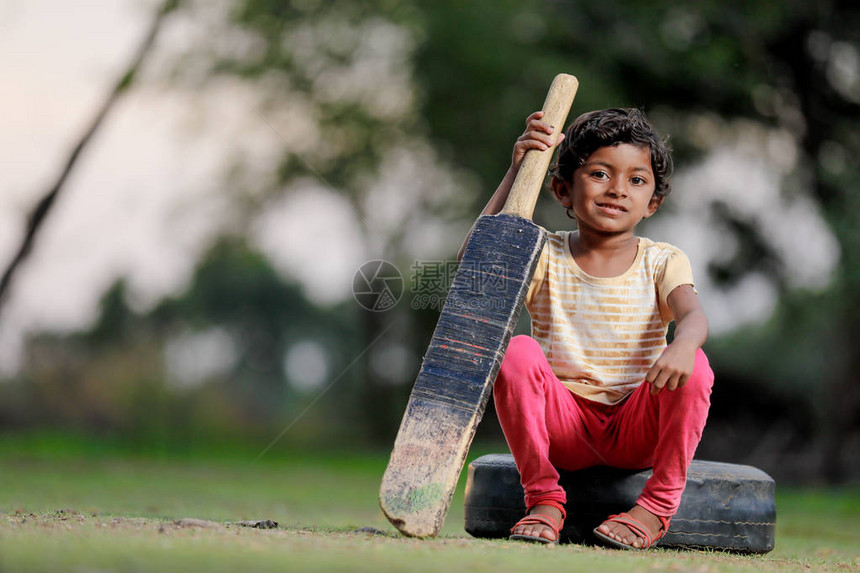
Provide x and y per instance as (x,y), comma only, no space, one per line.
(456,377)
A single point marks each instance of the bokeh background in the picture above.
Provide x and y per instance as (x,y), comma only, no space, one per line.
(189,188)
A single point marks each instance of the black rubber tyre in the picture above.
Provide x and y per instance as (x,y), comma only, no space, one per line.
(725,506)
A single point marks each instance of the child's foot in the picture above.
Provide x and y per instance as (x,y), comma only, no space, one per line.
(623,534)
(535,530)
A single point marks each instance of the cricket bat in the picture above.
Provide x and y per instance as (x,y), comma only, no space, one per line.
(468,344)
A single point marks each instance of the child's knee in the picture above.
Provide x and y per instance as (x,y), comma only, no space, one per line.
(702,379)
(521,353)
(702,370)
(522,346)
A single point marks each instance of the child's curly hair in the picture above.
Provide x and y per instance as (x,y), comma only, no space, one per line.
(609,127)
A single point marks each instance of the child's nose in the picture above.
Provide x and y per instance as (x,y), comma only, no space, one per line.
(618,189)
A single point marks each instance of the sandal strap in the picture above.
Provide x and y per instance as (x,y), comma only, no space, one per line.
(636,526)
(665,521)
(639,528)
(552,503)
(538,519)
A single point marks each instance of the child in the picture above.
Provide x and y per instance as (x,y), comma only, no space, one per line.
(572,395)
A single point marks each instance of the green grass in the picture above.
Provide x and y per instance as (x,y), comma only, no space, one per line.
(98,509)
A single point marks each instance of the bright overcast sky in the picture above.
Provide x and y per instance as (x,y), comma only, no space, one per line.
(57,62)
(144,199)
(149,195)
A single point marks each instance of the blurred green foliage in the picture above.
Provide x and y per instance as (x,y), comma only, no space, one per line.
(112,380)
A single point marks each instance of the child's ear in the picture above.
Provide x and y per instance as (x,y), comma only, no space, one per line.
(654,204)
(561,190)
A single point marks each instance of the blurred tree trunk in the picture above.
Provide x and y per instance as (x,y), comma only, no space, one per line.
(37,218)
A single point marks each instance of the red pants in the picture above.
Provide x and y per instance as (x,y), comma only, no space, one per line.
(547,427)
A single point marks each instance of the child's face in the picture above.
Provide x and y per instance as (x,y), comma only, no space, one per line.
(613,190)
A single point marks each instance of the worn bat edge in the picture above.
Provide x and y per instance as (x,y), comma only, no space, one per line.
(394,490)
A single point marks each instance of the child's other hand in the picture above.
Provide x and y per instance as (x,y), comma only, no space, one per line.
(538,135)
(672,369)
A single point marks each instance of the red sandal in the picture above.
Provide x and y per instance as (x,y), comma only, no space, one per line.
(637,527)
(538,519)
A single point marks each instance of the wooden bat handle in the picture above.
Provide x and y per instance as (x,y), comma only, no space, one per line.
(526,188)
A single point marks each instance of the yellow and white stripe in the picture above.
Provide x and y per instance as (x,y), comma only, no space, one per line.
(601,335)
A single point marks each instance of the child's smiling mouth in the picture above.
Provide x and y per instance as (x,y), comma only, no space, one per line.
(611,208)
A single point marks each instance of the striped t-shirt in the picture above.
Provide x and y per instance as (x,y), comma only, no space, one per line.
(602,335)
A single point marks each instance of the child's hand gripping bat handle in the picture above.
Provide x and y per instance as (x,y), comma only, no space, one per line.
(526,188)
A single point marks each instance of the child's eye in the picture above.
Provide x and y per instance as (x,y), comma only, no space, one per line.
(638,181)
(600,175)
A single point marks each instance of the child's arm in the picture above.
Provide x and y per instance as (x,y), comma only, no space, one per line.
(673,368)
(538,135)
